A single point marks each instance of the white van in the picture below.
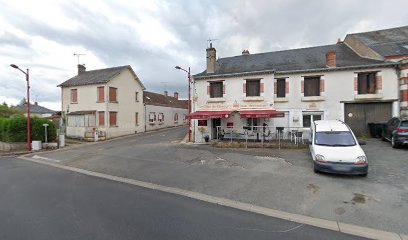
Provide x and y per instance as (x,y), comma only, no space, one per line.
(335,149)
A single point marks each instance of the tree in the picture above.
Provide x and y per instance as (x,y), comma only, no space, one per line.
(6,111)
(23,101)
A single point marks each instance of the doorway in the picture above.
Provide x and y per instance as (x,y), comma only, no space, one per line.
(216,122)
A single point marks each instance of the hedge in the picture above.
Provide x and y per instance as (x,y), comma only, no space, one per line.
(15,129)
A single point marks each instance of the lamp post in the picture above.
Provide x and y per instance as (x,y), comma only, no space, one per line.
(27,74)
(189,99)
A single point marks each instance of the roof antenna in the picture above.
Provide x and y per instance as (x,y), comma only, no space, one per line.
(78,55)
(164,86)
(210,40)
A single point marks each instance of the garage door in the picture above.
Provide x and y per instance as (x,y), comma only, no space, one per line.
(358,115)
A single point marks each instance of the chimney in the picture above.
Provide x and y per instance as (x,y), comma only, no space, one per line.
(331,59)
(245,52)
(211,57)
(81,69)
(176,95)
(36,103)
(339,40)
(166,93)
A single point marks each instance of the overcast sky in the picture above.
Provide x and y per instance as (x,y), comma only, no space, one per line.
(154,36)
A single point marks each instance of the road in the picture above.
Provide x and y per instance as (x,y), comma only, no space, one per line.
(42,202)
(277,179)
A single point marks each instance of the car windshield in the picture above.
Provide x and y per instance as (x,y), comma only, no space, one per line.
(333,138)
(404,124)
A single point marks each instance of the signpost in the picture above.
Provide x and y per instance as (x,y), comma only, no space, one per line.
(45,125)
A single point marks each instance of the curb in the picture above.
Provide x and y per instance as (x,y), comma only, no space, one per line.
(317,222)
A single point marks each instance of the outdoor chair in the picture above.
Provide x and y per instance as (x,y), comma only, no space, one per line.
(279,132)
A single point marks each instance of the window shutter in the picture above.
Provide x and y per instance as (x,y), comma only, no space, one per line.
(355,84)
(208,89)
(262,87)
(321,85)
(275,86)
(74,95)
(101,94)
(244,88)
(223,88)
(112,94)
(101,119)
(287,86)
(303,86)
(378,79)
(112,119)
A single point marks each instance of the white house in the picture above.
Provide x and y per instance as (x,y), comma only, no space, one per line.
(289,89)
(35,110)
(163,111)
(103,103)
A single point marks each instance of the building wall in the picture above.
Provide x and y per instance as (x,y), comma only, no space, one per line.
(168,113)
(233,98)
(339,86)
(126,106)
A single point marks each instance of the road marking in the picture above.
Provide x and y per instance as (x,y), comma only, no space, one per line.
(302,219)
(45,158)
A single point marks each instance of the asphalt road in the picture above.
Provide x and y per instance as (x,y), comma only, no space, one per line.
(41,202)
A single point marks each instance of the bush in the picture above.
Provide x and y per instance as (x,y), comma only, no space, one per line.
(15,129)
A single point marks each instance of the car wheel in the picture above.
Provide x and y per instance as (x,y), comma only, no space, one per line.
(315,170)
(393,143)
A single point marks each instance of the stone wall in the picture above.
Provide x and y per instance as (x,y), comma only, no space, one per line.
(8,147)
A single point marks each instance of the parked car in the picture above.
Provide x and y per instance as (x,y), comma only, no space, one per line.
(335,149)
(396,131)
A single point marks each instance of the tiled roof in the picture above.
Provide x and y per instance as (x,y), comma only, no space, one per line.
(34,108)
(291,60)
(386,42)
(151,98)
(97,76)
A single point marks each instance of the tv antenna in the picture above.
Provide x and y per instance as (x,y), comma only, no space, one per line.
(164,85)
(78,55)
(210,40)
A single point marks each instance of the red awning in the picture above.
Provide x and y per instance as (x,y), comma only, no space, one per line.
(209,114)
(261,114)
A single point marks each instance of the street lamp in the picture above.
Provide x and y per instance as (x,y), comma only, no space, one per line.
(27,74)
(189,99)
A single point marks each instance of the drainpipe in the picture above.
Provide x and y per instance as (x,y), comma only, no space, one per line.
(145,127)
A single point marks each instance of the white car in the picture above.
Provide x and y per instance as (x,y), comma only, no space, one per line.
(335,149)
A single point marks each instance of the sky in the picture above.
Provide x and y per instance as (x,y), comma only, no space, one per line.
(154,36)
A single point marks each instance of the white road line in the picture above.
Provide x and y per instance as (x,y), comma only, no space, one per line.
(317,222)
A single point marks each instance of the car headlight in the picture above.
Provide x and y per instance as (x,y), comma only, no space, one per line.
(320,158)
(361,160)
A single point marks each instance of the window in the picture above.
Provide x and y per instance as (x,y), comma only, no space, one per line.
(101,119)
(152,118)
(160,118)
(113,94)
(74,95)
(175,117)
(137,96)
(202,123)
(252,124)
(312,86)
(281,88)
(101,94)
(113,119)
(184,118)
(137,119)
(334,138)
(308,118)
(216,89)
(253,88)
(367,83)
